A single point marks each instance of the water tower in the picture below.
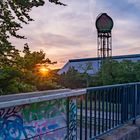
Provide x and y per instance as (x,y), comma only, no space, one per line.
(104,25)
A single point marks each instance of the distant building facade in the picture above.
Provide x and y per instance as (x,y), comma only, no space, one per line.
(90,65)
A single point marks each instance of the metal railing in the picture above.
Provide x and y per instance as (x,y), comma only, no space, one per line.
(73,114)
(105,108)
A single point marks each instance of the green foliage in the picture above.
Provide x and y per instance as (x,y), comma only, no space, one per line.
(108,72)
(47,85)
(111,72)
(12,14)
(114,72)
(30,64)
(15,11)
(137,70)
(10,81)
(73,79)
(31,59)
(24,75)
(20,74)
(52,80)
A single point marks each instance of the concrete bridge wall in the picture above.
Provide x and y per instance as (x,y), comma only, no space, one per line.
(45,120)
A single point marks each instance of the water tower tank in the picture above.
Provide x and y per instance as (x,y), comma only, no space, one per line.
(104,23)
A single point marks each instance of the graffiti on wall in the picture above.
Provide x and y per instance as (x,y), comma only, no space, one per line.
(39,121)
(45,119)
(12,126)
(39,111)
(72,119)
(58,135)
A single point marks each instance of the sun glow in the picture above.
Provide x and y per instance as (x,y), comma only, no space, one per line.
(43,70)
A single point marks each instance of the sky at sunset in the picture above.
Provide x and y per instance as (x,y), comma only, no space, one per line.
(68,32)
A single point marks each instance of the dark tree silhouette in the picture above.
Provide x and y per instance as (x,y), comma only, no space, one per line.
(11,10)
(12,14)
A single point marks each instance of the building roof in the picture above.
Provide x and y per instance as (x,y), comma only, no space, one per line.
(96,58)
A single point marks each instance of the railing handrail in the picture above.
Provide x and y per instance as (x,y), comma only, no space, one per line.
(53,95)
(112,86)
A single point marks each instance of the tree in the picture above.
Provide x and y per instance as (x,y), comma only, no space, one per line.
(114,72)
(12,14)
(87,69)
(25,75)
(108,71)
(31,62)
(126,72)
(12,9)
(73,79)
(137,70)
(10,82)
(32,59)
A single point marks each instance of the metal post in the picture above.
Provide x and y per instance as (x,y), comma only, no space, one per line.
(86,127)
(123,105)
(91,100)
(81,118)
(135,104)
(67,108)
